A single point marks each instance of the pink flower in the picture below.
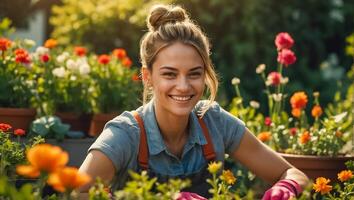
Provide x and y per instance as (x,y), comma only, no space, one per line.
(274,78)
(267,121)
(189,196)
(283,41)
(286,57)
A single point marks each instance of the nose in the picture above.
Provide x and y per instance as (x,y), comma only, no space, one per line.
(183,84)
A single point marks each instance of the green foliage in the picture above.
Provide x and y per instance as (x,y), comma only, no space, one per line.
(8,191)
(100,24)
(49,127)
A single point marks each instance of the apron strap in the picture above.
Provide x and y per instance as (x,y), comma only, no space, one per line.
(208,148)
(143,156)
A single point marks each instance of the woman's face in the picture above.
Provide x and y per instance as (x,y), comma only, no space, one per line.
(178,79)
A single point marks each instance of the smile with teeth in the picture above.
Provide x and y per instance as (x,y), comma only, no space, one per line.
(181,98)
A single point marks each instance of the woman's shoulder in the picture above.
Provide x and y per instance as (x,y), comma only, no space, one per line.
(124,121)
(213,108)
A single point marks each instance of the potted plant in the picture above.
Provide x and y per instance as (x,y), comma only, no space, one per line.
(16,82)
(117,87)
(316,148)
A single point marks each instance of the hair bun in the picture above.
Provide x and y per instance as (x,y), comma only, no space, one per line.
(162,14)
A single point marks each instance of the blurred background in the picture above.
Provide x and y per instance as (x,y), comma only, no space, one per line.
(242,34)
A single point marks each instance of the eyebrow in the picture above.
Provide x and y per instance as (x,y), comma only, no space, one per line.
(174,69)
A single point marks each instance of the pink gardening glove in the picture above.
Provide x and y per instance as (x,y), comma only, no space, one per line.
(283,190)
(189,196)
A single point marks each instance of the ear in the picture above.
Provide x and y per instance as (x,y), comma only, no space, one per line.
(146,75)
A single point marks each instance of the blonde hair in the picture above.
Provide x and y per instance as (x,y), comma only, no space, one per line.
(170,24)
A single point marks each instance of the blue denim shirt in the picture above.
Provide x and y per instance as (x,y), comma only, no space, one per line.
(120,138)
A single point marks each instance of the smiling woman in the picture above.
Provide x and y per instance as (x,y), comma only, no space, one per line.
(175,134)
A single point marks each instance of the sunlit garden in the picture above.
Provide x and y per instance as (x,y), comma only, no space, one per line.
(286,69)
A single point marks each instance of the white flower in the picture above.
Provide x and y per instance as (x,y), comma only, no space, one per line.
(29,43)
(268,82)
(254,104)
(277,97)
(235,81)
(260,69)
(84,69)
(62,57)
(42,50)
(71,65)
(284,80)
(59,72)
(73,78)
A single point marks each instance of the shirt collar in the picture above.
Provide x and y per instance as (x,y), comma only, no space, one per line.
(153,134)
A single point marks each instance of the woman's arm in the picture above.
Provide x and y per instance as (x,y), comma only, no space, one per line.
(97,164)
(266,163)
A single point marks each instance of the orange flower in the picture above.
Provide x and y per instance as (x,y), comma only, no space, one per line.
(126,62)
(50,43)
(68,178)
(104,59)
(345,175)
(43,158)
(296,112)
(298,100)
(4,44)
(22,56)
(316,111)
(321,185)
(80,51)
(228,177)
(264,136)
(19,132)
(339,134)
(135,77)
(119,53)
(305,137)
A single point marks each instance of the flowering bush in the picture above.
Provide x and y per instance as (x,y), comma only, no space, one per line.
(15,73)
(11,150)
(291,133)
(117,84)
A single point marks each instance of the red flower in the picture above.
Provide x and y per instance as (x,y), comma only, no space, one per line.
(5,127)
(45,58)
(286,57)
(267,121)
(19,132)
(126,62)
(293,131)
(22,56)
(119,53)
(4,44)
(104,59)
(135,77)
(274,78)
(284,41)
(80,51)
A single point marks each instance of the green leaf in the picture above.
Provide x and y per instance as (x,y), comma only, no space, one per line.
(39,128)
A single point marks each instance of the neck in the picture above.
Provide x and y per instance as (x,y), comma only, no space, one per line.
(174,129)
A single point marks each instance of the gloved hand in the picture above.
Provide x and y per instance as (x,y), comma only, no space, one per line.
(189,196)
(283,190)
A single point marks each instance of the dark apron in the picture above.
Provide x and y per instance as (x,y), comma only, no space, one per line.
(198,179)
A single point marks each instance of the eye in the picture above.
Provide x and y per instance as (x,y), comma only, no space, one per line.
(169,74)
(195,74)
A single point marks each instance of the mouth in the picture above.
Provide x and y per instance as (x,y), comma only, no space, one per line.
(179,98)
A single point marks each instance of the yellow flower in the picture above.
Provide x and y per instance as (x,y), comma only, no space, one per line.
(345,175)
(228,177)
(214,167)
(68,178)
(321,185)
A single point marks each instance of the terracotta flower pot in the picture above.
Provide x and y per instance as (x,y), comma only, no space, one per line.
(316,166)
(18,117)
(77,121)
(98,121)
